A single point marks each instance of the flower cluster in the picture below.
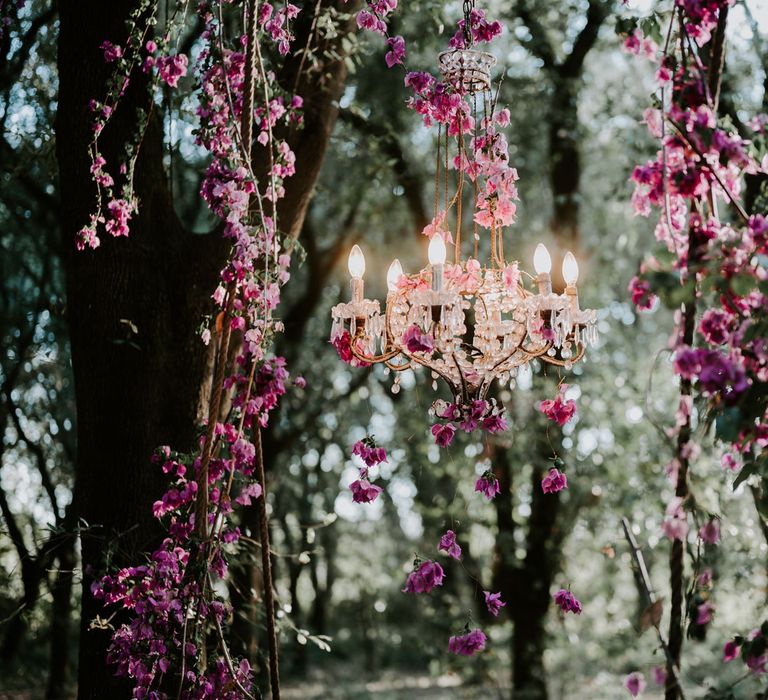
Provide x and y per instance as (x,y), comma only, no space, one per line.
(449,545)
(425,576)
(559,410)
(753,649)
(488,485)
(486,415)
(342,343)
(467,644)
(554,481)
(567,602)
(363,491)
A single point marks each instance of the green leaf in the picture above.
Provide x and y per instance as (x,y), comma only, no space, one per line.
(746,471)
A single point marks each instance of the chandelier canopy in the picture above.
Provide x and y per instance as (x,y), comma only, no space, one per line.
(470,324)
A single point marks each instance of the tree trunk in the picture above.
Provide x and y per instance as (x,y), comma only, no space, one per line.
(137,391)
(60,630)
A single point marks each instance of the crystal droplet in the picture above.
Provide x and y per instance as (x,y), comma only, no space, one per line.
(434,386)
(396,388)
(569,365)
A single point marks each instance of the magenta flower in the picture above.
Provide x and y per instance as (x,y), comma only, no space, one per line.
(756,664)
(567,602)
(449,545)
(443,434)
(342,343)
(554,481)
(425,576)
(369,452)
(710,531)
(495,424)
(112,52)
(488,485)
(493,602)
(467,644)
(396,52)
(416,341)
(642,296)
(730,651)
(172,68)
(364,491)
(635,683)
(704,613)
(557,409)
(659,675)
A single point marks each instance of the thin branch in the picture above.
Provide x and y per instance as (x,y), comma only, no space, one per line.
(597,13)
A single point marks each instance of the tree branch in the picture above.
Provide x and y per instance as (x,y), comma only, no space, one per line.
(597,13)
(538,43)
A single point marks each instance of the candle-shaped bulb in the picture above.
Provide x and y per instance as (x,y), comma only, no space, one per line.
(394,273)
(356,262)
(436,251)
(542,263)
(570,269)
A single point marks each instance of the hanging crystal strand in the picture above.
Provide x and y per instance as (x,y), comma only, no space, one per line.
(396,384)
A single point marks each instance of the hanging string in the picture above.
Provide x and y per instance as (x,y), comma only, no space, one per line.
(475,236)
(437,171)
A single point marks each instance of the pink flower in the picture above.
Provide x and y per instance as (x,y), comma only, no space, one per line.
(554,481)
(250,491)
(364,492)
(511,277)
(172,68)
(659,675)
(112,52)
(425,576)
(567,602)
(416,341)
(449,545)
(369,452)
(710,531)
(642,296)
(495,424)
(493,602)
(343,346)
(467,644)
(396,51)
(635,683)
(730,651)
(443,434)
(488,485)
(120,211)
(704,613)
(675,525)
(557,409)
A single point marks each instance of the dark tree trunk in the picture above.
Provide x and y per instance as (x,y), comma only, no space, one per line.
(138,391)
(60,630)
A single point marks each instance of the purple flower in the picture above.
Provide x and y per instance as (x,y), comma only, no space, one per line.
(369,452)
(112,52)
(467,644)
(567,602)
(659,675)
(557,409)
(364,492)
(704,613)
(396,51)
(493,602)
(730,651)
(449,545)
(495,424)
(715,326)
(635,683)
(416,341)
(554,481)
(443,434)
(425,576)
(710,531)
(488,485)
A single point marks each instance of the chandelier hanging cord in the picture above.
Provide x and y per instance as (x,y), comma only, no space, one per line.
(469,5)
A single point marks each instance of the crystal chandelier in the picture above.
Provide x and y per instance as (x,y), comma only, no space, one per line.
(470,324)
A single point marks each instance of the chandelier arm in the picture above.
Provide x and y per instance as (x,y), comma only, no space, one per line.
(424,363)
(374,359)
(562,363)
(464,390)
(398,368)
(486,385)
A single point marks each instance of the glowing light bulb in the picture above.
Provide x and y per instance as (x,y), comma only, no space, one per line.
(356,262)
(394,273)
(436,251)
(542,263)
(570,269)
